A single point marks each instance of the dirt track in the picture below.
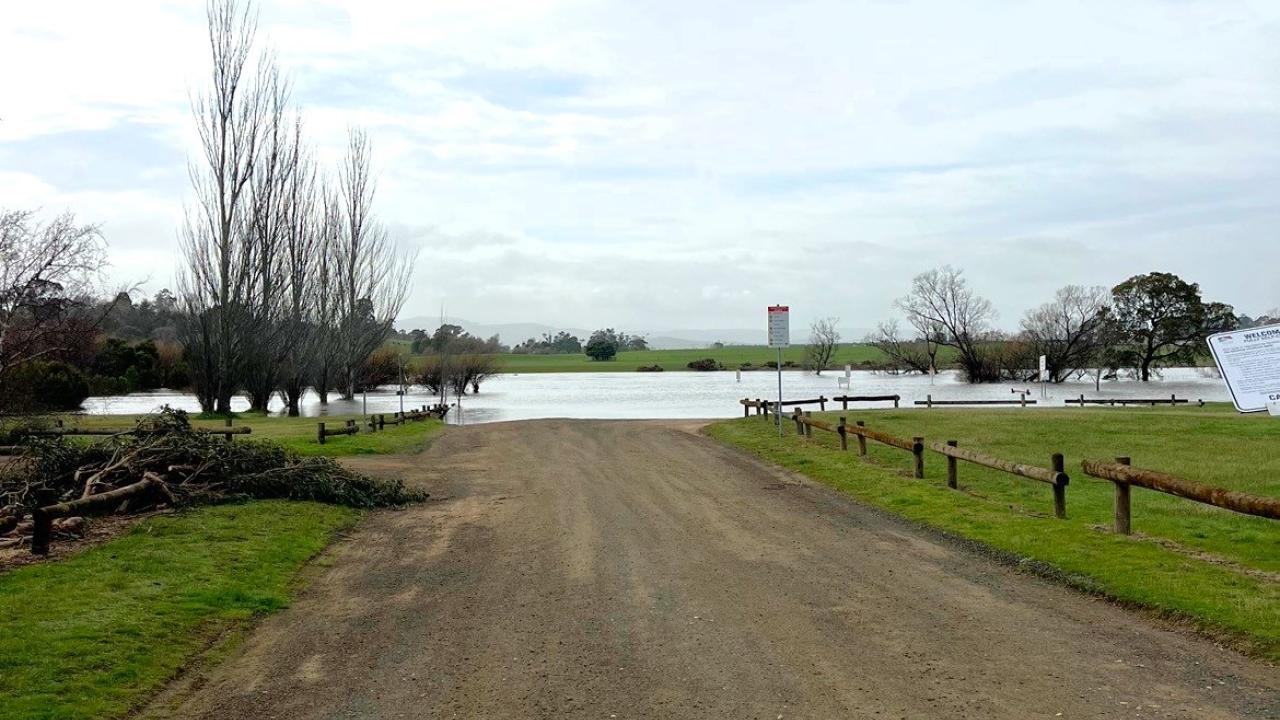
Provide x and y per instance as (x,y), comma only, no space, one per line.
(639,570)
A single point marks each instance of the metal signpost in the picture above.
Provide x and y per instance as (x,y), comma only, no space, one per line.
(1249,361)
(779,338)
(1044,376)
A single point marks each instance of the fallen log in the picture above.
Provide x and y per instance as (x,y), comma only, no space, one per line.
(102,502)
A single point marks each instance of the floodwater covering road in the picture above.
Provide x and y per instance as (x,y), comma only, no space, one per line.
(601,569)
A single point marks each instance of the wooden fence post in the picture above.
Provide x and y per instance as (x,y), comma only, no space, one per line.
(895,402)
(917,449)
(1059,489)
(844,401)
(808,429)
(862,441)
(952,480)
(746,409)
(799,427)
(822,404)
(320,433)
(928,401)
(227,436)
(1023,396)
(1122,513)
(844,434)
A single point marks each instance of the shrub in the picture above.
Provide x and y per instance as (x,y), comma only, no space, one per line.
(45,386)
(705,364)
(649,368)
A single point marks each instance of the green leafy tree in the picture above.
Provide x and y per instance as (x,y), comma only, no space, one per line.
(603,345)
(1160,319)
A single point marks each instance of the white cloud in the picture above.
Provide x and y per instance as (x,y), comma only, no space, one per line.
(647,163)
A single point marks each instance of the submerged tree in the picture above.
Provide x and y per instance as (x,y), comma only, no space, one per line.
(372,276)
(824,340)
(216,283)
(1069,331)
(941,300)
(1161,318)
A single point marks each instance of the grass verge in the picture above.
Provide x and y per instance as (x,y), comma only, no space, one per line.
(94,635)
(1211,567)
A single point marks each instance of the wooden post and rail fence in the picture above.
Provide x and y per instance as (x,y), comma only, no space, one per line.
(764,407)
(1119,472)
(381,421)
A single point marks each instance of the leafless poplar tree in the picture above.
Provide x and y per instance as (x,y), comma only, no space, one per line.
(266,342)
(44,268)
(941,300)
(373,276)
(216,283)
(824,339)
(1069,330)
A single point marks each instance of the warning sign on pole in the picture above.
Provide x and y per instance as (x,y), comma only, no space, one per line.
(1249,361)
(779,326)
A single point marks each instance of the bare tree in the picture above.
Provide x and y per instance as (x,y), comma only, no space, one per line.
(904,354)
(217,281)
(373,276)
(266,343)
(941,299)
(824,340)
(1069,330)
(325,343)
(44,270)
(304,253)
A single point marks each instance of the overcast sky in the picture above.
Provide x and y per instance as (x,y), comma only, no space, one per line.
(664,165)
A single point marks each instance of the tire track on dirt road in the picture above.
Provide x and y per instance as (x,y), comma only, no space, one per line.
(639,570)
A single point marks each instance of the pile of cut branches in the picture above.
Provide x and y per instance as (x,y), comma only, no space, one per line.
(163,462)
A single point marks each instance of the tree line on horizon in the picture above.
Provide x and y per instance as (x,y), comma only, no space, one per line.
(1148,321)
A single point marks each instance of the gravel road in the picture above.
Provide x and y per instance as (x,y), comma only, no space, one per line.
(593,569)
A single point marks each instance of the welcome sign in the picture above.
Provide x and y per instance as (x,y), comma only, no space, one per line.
(1250,364)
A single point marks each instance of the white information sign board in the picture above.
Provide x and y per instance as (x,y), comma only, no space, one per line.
(1044,368)
(1249,361)
(779,326)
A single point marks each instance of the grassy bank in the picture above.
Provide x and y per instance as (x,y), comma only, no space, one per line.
(299,434)
(93,635)
(731,357)
(1214,568)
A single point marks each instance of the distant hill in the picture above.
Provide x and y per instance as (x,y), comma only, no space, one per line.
(665,339)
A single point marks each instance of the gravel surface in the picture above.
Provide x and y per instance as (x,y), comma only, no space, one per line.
(594,569)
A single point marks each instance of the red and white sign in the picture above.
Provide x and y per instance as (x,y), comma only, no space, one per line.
(779,326)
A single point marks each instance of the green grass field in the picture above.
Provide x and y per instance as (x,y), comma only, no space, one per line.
(672,360)
(93,635)
(299,434)
(1217,569)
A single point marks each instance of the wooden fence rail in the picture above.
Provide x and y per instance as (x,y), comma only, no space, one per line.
(1171,401)
(1123,476)
(915,446)
(1053,476)
(107,432)
(930,402)
(844,400)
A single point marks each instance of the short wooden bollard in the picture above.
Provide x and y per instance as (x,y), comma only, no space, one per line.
(320,433)
(1059,489)
(844,434)
(952,478)
(917,449)
(1122,511)
(862,441)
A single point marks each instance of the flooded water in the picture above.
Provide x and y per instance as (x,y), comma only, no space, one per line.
(685,394)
